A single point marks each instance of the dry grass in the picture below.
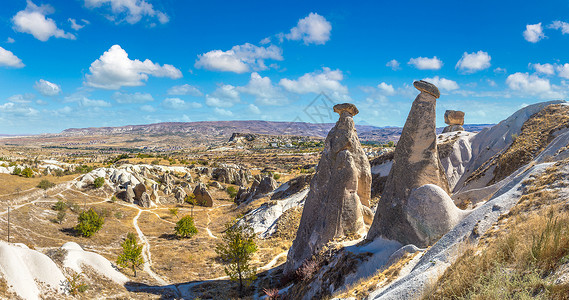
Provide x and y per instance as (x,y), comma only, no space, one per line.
(515,259)
(12,184)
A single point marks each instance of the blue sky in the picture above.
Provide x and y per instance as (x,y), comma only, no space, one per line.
(92,63)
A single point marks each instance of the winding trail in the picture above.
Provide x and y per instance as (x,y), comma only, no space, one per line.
(146,254)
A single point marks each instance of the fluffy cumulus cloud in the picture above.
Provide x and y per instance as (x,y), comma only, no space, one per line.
(473,62)
(114,70)
(386,88)
(137,97)
(563,26)
(8,59)
(185,89)
(131,11)
(18,110)
(547,69)
(224,96)
(393,64)
(179,104)
(47,88)
(314,29)
(33,20)
(327,81)
(534,33)
(443,83)
(239,59)
(533,85)
(425,63)
(264,91)
(563,71)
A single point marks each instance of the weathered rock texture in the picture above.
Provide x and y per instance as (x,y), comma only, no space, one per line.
(454,119)
(416,163)
(203,197)
(340,187)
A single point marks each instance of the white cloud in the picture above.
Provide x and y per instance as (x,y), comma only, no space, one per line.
(8,59)
(33,20)
(223,112)
(443,83)
(393,64)
(18,110)
(499,70)
(547,69)
(473,62)
(224,96)
(21,98)
(114,69)
(10,40)
(179,104)
(314,29)
(185,89)
(533,85)
(47,88)
(425,63)
(534,33)
(563,26)
(239,59)
(76,26)
(563,71)
(327,81)
(132,98)
(264,91)
(254,109)
(83,100)
(386,88)
(147,108)
(131,11)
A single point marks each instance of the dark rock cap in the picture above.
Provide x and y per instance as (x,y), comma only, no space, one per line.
(427,87)
(348,107)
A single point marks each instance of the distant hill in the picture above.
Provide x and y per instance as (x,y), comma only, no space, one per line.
(219,131)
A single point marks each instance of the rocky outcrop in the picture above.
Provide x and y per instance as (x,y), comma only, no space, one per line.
(180,195)
(454,119)
(129,195)
(139,189)
(203,197)
(232,174)
(261,187)
(145,200)
(416,163)
(291,187)
(339,188)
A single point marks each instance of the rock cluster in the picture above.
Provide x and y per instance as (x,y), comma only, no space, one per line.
(415,207)
(203,197)
(261,186)
(338,192)
(454,119)
(232,175)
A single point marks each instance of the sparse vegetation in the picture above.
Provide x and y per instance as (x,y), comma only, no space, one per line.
(89,222)
(99,182)
(185,227)
(45,184)
(231,191)
(236,251)
(75,284)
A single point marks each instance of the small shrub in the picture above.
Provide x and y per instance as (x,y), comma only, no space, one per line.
(99,182)
(307,270)
(59,206)
(113,199)
(232,191)
(174,211)
(277,176)
(272,294)
(118,215)
(60,217)
(28,172)
(89,222)
(185,227)
(45,184)
(75,285)
(17,171)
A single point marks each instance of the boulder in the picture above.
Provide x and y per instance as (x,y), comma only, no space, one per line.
(267,185)
(203,197)
(454,117)
(338,190)
(129,196)
(180,194)
(453,128)
(216,185)
(415,164)
(139,189)
(145,200)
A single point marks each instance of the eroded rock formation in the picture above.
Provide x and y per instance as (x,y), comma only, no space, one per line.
(338,191)
(454,119)
(416,164)
(203,197)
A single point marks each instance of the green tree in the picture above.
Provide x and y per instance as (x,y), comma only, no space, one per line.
(236,251)
(191,199)
(131,256)
(89,223)
(28,172)
(99,182)
(185,227)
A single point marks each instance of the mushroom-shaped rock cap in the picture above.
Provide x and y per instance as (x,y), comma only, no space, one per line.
(427,87)
(346,107)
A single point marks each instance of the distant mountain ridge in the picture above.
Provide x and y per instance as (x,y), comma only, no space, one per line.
(222,130)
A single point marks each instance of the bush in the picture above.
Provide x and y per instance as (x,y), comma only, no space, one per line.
(277,176)
(45,184)
(99,182)
(75,285)
(17,171)
(60,217)
(89,223)
(185,227)
(232,191)
(59,206)
(307,270)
